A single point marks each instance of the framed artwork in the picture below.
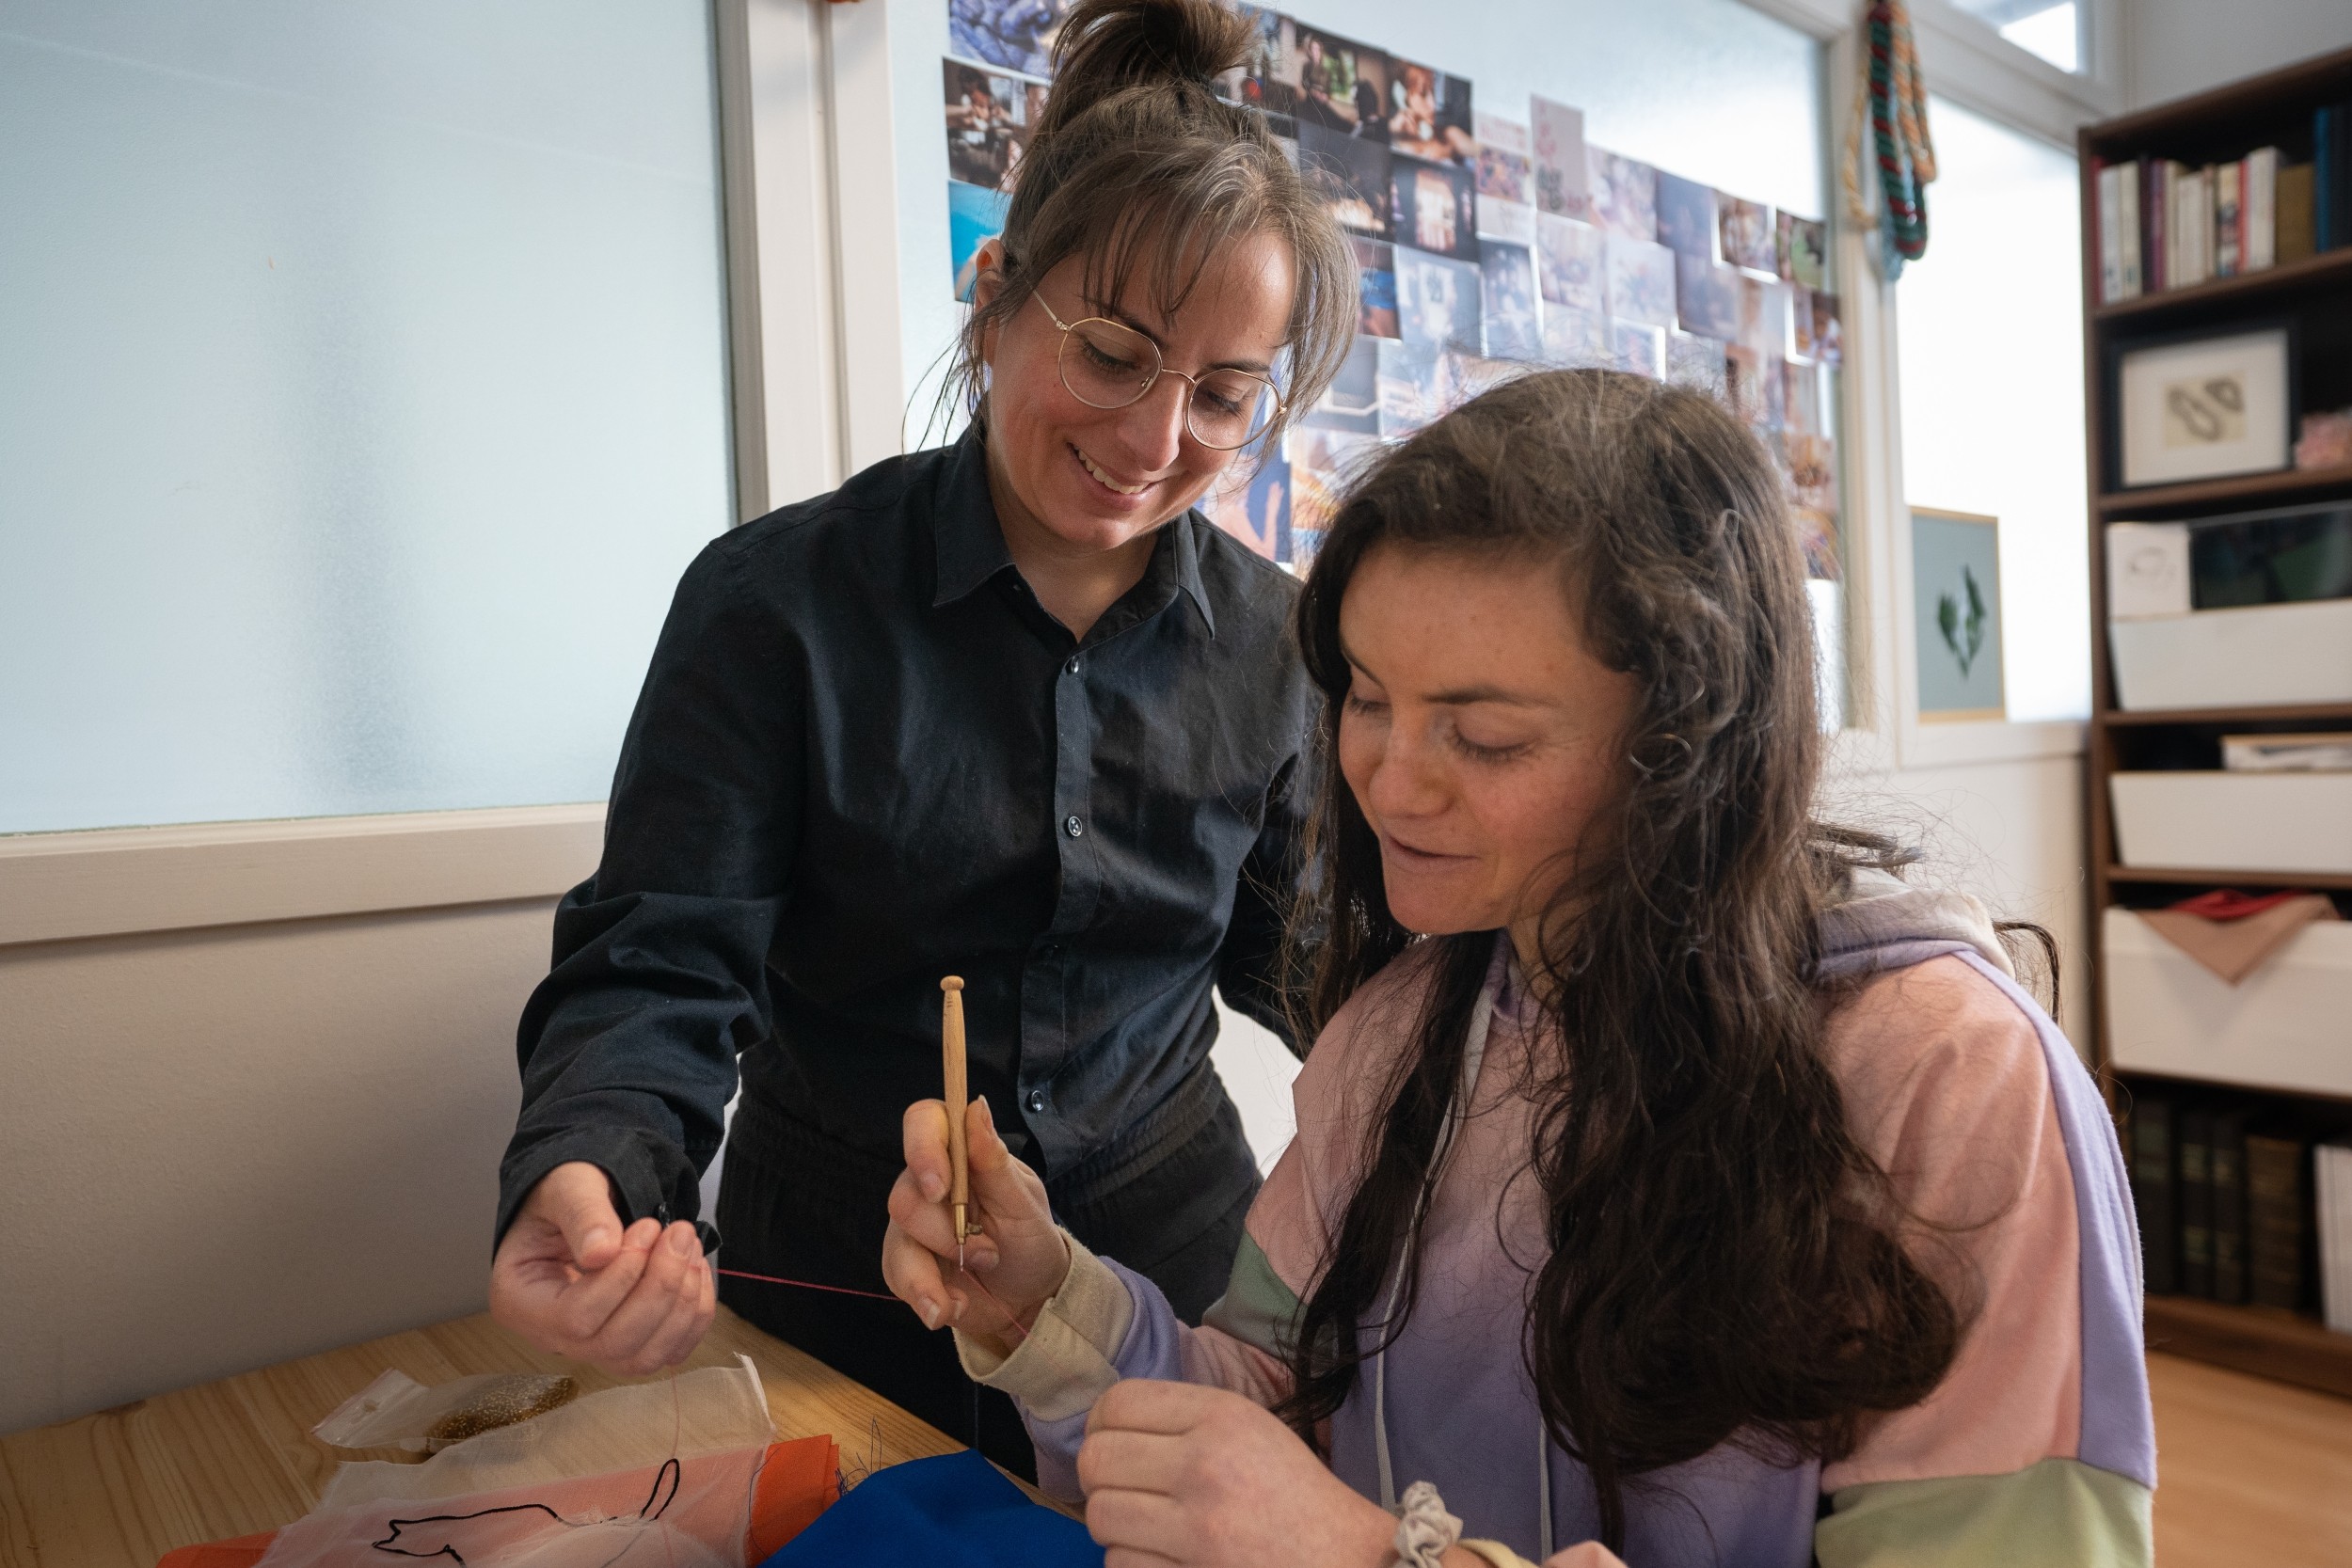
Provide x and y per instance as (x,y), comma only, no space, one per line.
(1956,598)
(2203,406)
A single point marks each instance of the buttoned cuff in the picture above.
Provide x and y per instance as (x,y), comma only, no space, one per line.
(1065,1363)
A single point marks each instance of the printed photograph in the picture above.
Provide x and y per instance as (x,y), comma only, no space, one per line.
(1512,222)
(1432,207)
(1429,114)
(1574,337)
(989,117)
(975,215)
(1686,216)
(1624,193)
(1017,35)
(1437,301)
(1351,402)
(1507,301)
(1408,389)
(1342,86)
(1696,362)
(1801,339)
(1817,536)
(1321,463)
(1707,297)
(1748,234)
(1569,267)
(1375,284)
(1504,169)
(1268,78)
(1829,339)
(1255,506)
(1640,282)
(1639,349)
(1351,174)
(1812,476)
(1802,246)
(1802,401)
(1563,173)
(1464,376)
(1754,387)
(1764,316)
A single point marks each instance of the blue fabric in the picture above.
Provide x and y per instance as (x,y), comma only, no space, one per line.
(956,1511)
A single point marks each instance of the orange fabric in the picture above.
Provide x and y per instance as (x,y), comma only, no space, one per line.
(798,1481)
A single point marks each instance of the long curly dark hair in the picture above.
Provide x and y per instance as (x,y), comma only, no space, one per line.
(1724,1258)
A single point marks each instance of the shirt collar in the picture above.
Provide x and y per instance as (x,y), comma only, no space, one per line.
(969,543)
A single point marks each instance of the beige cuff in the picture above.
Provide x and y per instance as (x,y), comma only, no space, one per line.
(1064,1364)
(1496,1553)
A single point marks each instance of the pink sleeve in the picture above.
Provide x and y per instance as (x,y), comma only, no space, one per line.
(1947,1087)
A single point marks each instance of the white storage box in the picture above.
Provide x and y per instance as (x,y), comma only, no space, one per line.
(2259,656)
(2284,1026)
(2233,821)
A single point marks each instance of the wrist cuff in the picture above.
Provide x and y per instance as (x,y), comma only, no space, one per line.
(1064,1364)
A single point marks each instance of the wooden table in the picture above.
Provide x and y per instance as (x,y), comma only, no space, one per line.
(120,1488)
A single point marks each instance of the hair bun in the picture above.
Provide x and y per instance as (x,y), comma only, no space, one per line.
(1106,46)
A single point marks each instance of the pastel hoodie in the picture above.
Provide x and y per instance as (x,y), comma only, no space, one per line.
(2037,1448)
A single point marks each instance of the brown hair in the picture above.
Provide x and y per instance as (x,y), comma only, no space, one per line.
(1138,167)
(1724,1258)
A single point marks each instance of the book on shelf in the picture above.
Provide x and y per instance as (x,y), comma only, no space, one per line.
(2287,754)
(2333,1177)
(2192,1130)
(2225,1170)
(2165,225)
(2153,1191)
(2276,1219)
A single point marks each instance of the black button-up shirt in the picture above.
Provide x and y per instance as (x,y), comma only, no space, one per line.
(864,758)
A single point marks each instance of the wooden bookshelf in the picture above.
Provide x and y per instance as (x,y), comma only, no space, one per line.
(2317,881)
(2330,269)
(2315,291)
(2240,492)
(2263,1340)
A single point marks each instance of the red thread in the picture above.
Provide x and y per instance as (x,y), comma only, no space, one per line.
(869,1295)
(805,1284)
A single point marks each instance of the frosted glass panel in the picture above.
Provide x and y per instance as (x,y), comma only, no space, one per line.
(363,396)
(1992,378)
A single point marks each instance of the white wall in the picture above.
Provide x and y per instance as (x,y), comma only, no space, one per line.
(2172,48)
(225,1145)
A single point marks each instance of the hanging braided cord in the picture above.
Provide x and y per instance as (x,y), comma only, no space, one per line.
(1892,95)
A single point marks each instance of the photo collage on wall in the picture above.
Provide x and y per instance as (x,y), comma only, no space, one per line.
(1486,244)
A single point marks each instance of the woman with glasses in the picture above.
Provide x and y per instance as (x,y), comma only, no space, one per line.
(1008,709)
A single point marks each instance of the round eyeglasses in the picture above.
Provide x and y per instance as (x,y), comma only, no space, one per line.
(1107,365)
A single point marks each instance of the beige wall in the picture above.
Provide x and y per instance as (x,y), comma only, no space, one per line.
(226,1145)
(2174,48)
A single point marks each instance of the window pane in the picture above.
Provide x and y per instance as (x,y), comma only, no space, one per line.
(363,397)
(2053,32)
(1990,327)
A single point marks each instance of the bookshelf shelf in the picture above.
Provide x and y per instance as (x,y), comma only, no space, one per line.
(2332,268)
(2299,713)
(2263,1340)
(2317,881)
(2223,494)
(2181,1198)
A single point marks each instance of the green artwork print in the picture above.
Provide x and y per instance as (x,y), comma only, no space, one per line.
(1956,583)
(1966,637)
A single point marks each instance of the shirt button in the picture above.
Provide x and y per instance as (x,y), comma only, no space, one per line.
(1071,668)
(1050,949)
(1074,827)
(1037,1099)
